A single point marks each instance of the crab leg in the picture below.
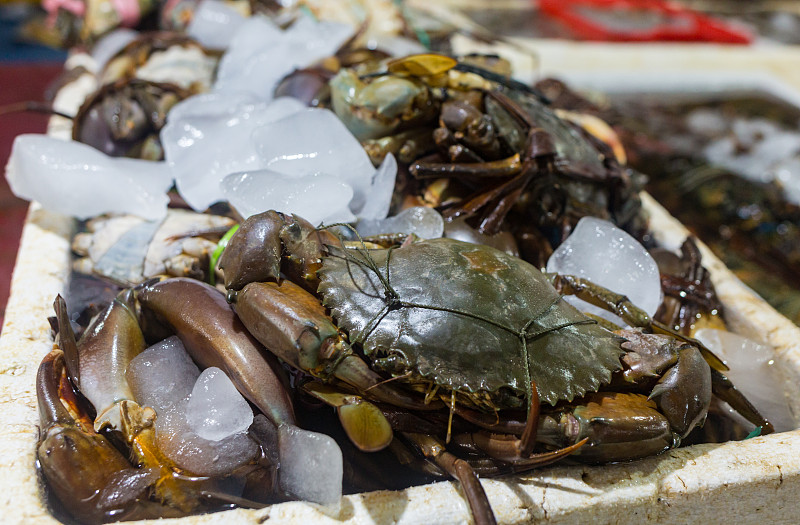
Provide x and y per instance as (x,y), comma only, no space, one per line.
(434,450)
(683,374)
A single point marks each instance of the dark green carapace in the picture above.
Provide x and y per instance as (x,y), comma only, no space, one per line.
(467,317)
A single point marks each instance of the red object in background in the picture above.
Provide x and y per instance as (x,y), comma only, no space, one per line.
(18,83)
(640,21)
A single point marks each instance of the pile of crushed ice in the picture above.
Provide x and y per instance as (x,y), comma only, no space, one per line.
(234,143)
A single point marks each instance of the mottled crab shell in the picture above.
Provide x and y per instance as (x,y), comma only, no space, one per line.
(467,317)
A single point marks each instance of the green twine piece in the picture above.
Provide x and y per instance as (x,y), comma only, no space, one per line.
(755,433)
(420,33)
(212,263)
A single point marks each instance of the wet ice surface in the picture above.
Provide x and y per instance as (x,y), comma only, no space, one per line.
(260,54)
(316,141)
(216,409)
(209,137)
(424,222)
(759,150)
(48,170)
(754,372)
(311,465)
(309,164)
(163,377)
(110,44)
(317,197)
(214,24)
(606,255)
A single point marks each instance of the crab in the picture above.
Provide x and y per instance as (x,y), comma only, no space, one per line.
(481,147)
(129,250)
(442,325)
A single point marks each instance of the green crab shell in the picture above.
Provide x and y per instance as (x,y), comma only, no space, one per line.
(467,317)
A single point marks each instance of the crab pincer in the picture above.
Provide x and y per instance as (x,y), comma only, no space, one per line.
(97,364)
(214,336)
(93,481)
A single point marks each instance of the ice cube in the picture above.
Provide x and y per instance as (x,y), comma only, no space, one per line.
(49,170)
(317,197)
(381,191)
(606,255)
(216,409)
(110,44)
(316,141)
(424,222)
(163,375)
(311,465)
(261,54)
(215,24)
(209,138)
(176,439)
(753,370)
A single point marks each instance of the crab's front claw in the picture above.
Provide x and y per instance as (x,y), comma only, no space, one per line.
(294,325)
(214,336)
(90,477)
(619,426)
(254,252)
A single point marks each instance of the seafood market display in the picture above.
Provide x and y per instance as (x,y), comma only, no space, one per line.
(319,259)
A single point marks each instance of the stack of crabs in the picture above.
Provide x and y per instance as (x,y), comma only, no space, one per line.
(460,359)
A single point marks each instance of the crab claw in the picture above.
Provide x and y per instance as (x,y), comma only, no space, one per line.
(254,252)
(294,325)
(90,477)
(214,336)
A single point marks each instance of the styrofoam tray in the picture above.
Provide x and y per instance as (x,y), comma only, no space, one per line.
(753,481)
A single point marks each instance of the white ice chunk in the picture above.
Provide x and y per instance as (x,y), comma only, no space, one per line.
(787,174)
(201,150)
(261,54)
(182,445)
(49,170)
(606,255)
(317,197)
(216,409)
(706,122)
(396,46)
(163,375)
(311,465)
(214,24)
(753,370)
(424,222)
(316,141)
(762,152)
(210,105)
(381,190)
